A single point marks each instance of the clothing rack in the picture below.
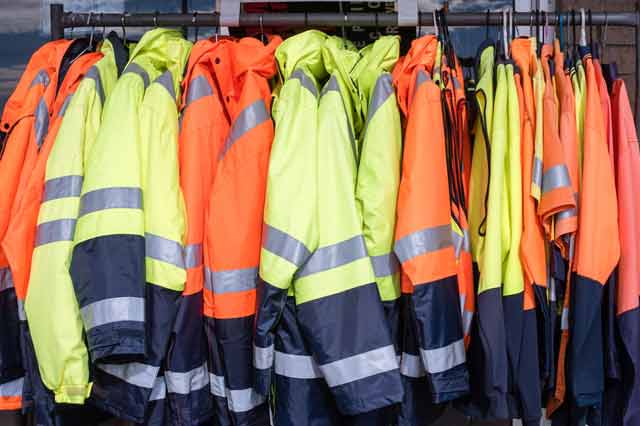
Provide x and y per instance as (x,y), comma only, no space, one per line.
(61,19)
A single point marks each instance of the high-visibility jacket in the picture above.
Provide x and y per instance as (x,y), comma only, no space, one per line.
(627,169)
(233,228)
(25,120)
(30,229)
(423,240)
(597,253)
(133,164)
(578,81)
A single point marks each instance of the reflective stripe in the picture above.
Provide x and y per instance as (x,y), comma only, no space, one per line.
(64,106)
(249,118)
(467,318)
(411,366)
(166,80)
(41,123)
(12,388)
(159,390)
(112,310)
(335,255)
(198,88)
(62,187)
(331,86)
(94,74)
(296,366)
(285,246)
(555,177)
(305,81)
(193,256)
(445,358)
(6,279)
(134,373)
(360,366)
(56,230)
(385,264)
(424,241)
(564,320)
(216,385)
(137,69)
(110,198)
(41,78)
(536,174)
(185,383)
(262,357)
(22,315)
(421,77)
(456,83)
(381,92)
(164,249)
(231,281)
(460,242)
(240,401)
(566,214)
(552,286)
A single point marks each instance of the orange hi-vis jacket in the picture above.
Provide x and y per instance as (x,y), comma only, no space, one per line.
(424,243)
(25,119)
(233,226)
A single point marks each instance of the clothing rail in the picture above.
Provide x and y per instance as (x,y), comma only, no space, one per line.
(60,19)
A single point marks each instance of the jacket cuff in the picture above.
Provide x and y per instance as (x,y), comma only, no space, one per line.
(73,394)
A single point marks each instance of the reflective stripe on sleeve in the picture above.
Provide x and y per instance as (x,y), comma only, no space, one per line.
(216,384)
(137,69)
(285,246)
(564,320)
(262,357)
(424,241)
(22,314)
(112,310)
(41,78)
(94,74)
(12,388)
(249,118)
(231,281)
(41,123)
(62,187)
(198,88)
(193,256)
(166,80)
(411,366)
(335,255)
(444,358)
(555,177)
(536,174)
(134,373)
(385,264)
(55,230)
(164,250)
(296,366)
(238,401)
(6,279)
(110,198)
(305,81)
(184,383)
(159,390)
(381,92)
(360,366)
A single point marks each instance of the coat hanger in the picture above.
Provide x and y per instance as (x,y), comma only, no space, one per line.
(583,28)
(124,31)
(435,24)
(196,28)
(89,47)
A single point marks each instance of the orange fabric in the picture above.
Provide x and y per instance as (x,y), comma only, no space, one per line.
(233,227)
(229,305)
(8,403)
(627,162)
(422,55)
(560,198)
(605,102)
(557,399)
(598,245)
(20,237)
(532,251)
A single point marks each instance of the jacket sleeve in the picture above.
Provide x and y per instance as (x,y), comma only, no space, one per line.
(289,235)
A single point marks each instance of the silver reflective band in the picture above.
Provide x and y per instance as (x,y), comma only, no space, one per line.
(331,86)
(110,198)
(159,390)
(555,177)
(6,279)
(62,187)
(22,315)
(421,77)
(166,80)
(137,69)
(249,118)
(134,373)
(566,214)
(262,357)
(456,83)
(461,242)
(94,74)
(360,366)
(411,366)
(185,383)
(444,358)
(164,250)
(198,88)
(467,318)
(41,123)
(335,255)
(231,281)
(64,106)
(240,401)
(305,81)
(12,388)
(193,256)
(536,174)
(216,384)
(296,366)
(424,241)
(285,246)
(381,92)
(385,264)
(112,310)
(56,230)
(551,283)
(564,320)
(41,78)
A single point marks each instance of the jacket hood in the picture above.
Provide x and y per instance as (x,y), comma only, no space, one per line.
(376,58)
(422,54)
(304,51)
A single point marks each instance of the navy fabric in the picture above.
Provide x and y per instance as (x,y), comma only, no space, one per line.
(548,340)
(234,340)
(513,326)
(157,413)
(629,323)
(35,396)
(612,366)
(302,402)
(585,358)
(117,397)
(215,366)
(450,385)
(107,267)
(385,416)
(10,359)
(392,311)
(417,408)
(187,351)
(528,383)
(373,392)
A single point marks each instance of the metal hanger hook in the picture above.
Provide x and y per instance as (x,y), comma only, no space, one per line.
(124,31)
(155,19)
(435,23)
(194,20)
(93,29)
(261,30)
